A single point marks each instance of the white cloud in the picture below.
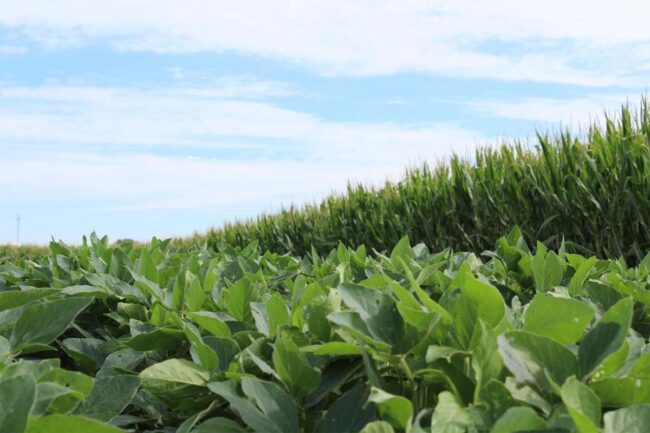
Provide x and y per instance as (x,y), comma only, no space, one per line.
(579,41)
(63,116)
(571,112)
(54,141)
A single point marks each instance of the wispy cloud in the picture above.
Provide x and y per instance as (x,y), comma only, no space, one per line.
(571,112)
(554,41)
(182,118)
(130,149)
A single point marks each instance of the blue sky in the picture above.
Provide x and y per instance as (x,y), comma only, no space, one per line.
(142,118)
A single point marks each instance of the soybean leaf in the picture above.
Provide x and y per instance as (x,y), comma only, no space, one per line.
(633,419)
(109,396)
(348,414)
(518,419)
(562,319)
(267,407)
(606,337)
(583,405)
(294,370)
(69,424)
(16,399)
(377,310)
(15,298)
(393,408)
(42,323)
(536,359)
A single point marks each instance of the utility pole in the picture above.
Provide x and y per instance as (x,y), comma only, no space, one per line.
(18,230)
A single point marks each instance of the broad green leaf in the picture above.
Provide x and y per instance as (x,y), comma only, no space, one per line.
(85,351)
(42,323)
(109,396)
(211,323)
(348,414)
(157,339)
(583,405)
(294,370)
(451,417)
(622,391)
(477,300)
(16,399)
(337,348)
(126,359)
(393,408)
(562,319)
(15,298)
(378,427)
(518,419)
(633,419)
(606,337)
(75,387)
(377,310)
(535,359)
(175,382)
(194,296)
(219,425)
(69,424)
(266,408)
(237,300)
(579,278)
(401,251)
(200,351)
(148,267)
(277,312)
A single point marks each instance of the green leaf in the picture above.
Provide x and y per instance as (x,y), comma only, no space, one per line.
(237,300)
(579,278)
(378,427)
(294,370)
(606,337)
(562,319)
(518,419)
(15,298)
(633,419)
(211,323)
(348,414)
(583,405)
(16,399)
(69,424)
(42,323)
(148,267)
(85,351)
(220,425)
(622,391)
(109,396)
(72,386)
(174,381)
(194,296)
(200,351)
(377,310)
(267,407)
(536,359)
(401,251)
(477,300)
(337,348)
(277,313)
(450,417)
(393,408)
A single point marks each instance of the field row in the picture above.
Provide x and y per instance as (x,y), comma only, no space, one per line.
(160,339)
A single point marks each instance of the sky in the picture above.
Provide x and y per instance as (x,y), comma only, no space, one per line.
(140,118)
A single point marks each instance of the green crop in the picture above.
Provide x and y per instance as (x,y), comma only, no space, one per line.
(161,338)
(592,190)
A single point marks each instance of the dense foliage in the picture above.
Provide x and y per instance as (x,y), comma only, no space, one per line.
(594,191)
(160,339)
